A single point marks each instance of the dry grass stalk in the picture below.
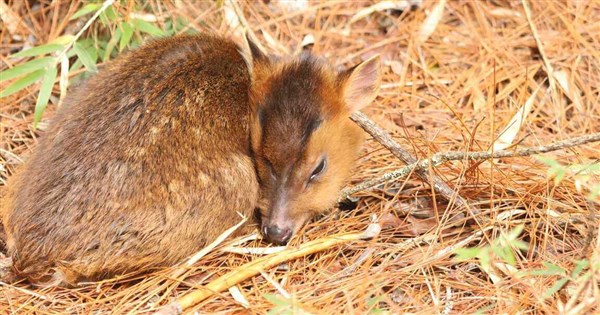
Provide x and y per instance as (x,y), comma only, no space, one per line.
(255,267)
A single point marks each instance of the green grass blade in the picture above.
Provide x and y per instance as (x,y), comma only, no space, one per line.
(44,96)
(22,83)
(25,68)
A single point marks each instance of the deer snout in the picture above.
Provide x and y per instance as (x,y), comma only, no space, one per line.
(278,226)
(278,235)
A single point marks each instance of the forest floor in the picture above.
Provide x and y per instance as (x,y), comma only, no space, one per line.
(517,234)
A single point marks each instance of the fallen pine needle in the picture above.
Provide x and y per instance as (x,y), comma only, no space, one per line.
(254,268)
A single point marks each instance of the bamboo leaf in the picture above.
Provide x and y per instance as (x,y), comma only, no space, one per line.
(25,68)
(44,96)
(88,8)
(63,40)
(126,35)
(85,57)
(38,50)
(148,28)
(22,83)
(110,46)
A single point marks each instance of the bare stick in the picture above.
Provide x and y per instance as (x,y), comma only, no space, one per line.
(440,158)
(386,140)
(254,268)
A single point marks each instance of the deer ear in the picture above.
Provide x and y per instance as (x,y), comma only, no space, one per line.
(251,52)
(361,84)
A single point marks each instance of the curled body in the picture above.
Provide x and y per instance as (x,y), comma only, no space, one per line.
(154,157)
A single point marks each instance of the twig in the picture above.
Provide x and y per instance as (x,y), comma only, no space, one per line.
(254,268)
(63,52)
(440,158)
(386,140)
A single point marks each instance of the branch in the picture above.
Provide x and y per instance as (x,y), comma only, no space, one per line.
(379,134)
(440,158)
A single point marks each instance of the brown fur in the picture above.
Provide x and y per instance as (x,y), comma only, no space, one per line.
(153,157)
(147,162)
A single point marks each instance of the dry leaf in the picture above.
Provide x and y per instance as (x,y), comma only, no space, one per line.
(10,19)
(231,18)
(238,296)
(143,16)
(293,5)
(569,88)
(380,6)
(421,226)
(478,99)
(390,221)
(308,39)
(508,135)
(396,66)
(431,21)
(504,12)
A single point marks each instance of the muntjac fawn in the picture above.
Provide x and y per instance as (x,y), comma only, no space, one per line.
(153,157)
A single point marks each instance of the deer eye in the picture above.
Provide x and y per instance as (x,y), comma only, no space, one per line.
(318,170)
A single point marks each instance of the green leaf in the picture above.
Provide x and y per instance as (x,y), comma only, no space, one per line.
(515,232)
(93,52)
(25,68)
(110,13)
(85,57)
(557,286)
(467,253)
(103,19)
(560,175)
(75,66)
(582,264)
(551,270)
(594,192)
(44,96)
(548,161)
(63,40)
(22,83)
(373,303)
(126,35)
(148,28)
(505,253)
(519,244)
(39,50)
(88,8)
(110,46)
(277,300)
(547,272)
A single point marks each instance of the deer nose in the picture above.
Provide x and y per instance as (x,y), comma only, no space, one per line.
(278,235)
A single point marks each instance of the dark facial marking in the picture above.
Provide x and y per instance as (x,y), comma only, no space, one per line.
(291,112)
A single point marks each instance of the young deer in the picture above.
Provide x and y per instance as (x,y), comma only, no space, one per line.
(153,157)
